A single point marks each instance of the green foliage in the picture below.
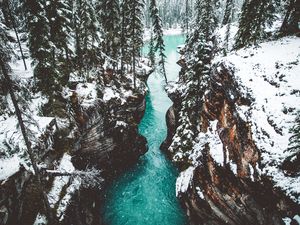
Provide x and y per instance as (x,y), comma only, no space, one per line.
(87,35)
(294,144)
(109,11)
(151,53)
(40,45)
(158,37)
(5,48)
(255,16)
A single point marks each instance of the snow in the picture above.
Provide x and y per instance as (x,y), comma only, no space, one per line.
(9,167)
(12,144)
(65,201)
(184,179)
(270,75)
(200,193)
(121,124)
(288,220)
(109,94)
(59,182)
(40,220)
(87,94)
(297,218)
(173,31)
(212,138)
(55,197)
(221,35)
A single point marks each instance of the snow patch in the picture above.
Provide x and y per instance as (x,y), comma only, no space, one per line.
(59,182)
(9,167)
(184,180)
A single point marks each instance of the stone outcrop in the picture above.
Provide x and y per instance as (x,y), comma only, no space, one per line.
(109,135)
(104,136)
(217,193)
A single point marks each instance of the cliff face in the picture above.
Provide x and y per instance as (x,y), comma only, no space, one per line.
(85,152)
(233,174)
(110,135)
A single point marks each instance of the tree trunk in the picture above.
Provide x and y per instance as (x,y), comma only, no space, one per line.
(291,19)
(227,14)
(50,216)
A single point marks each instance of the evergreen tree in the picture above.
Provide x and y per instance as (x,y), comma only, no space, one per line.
(151,53)
(124,44)
(10,19)
(87,35)
(199,54)
(294,144)
(136,31)
(228,12)
(40,46)
(158,31)
(58,15)
(110,19)
(5,58)
(227,20)
(255,15)
(5,48)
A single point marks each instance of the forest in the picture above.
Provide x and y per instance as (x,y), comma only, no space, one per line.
(149,112)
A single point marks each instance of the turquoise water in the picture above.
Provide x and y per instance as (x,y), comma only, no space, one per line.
(145,195)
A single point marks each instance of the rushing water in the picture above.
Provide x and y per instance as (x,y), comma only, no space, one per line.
(145,195)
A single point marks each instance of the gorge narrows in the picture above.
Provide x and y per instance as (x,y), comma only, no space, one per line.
(145,194)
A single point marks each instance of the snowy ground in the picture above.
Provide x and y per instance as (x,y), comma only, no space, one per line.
(270,74)
(12,147)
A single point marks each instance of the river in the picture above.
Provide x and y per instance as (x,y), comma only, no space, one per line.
(145,194)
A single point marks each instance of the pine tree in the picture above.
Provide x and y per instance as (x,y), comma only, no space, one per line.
(199,56)
(5,48)
(294,144)
(58,15)
(135,28)
(7,6)
(87,35)
(228,12)
(227,20)
(158,38)
(187,16)
(110,20)
(255,16)
(124,41)
(40,46)
(151,53)
(5,58)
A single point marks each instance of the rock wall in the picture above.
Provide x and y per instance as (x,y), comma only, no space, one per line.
(232,191)
(105,137)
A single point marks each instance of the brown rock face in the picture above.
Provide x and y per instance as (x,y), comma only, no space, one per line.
(103,142)
(217,194)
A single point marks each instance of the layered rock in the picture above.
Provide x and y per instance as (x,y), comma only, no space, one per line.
(100,136)
(228,177)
